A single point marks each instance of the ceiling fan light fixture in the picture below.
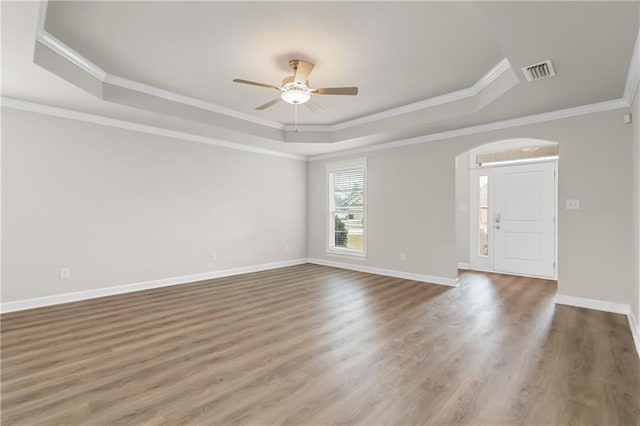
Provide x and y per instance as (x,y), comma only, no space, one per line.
(296,90)
(295,96)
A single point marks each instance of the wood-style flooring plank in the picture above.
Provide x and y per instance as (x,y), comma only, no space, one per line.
(315,345)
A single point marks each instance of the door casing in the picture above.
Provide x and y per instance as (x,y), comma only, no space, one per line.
(487,263)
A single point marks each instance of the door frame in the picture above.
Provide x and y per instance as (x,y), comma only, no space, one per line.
(486,264)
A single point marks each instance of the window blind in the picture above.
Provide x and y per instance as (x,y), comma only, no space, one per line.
(347,210)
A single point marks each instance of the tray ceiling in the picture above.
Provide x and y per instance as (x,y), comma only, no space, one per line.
(395,53)
(421,66)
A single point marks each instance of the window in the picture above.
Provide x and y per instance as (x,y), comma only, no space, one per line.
(483,218)
(347,207)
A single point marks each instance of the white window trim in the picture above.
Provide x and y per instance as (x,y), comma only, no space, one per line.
(336,167)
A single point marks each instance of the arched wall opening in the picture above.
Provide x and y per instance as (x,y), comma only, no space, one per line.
(412,206)
(479,237)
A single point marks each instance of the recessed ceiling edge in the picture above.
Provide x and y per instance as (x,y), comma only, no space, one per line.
(62,49)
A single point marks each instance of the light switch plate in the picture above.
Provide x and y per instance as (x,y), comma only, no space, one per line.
(64,273)
(573,204)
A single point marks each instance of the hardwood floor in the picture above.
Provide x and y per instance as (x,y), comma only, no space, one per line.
(315,345)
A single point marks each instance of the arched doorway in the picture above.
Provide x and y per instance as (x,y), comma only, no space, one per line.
(506,195)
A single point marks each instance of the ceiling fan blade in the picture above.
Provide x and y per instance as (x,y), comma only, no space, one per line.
(269,104)
(314,107)
(303,69)
(254,83)
(336,91)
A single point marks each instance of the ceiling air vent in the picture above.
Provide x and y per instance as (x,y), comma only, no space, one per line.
(539,71)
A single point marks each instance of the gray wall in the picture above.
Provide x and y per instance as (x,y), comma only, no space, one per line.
(120,207)
(635,304)
(412,204)
(462,199)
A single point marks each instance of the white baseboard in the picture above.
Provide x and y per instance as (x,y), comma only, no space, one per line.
(561,299)
(468,267)
(451,282)
(601,305)
(20,305)
(635,330)
(598,305)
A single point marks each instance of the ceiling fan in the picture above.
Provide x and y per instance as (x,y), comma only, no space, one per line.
(296,89)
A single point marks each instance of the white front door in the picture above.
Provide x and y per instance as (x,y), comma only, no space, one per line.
(513,219)
(524,210)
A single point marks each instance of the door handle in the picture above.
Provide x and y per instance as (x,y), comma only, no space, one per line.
(496,220)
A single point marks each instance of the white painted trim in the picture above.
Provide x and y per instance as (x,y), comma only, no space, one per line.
(458,95)
(633,75)
(451,282)
(57,299)
(111,122)
(92,69)
(487,270)
(495,72)
(635,331)
(507,145)
(129,125)
(331,168)
(42,15)
(518,161)
(346,255)
(598,305)
(464,265)
(602,305)
(633,79)
(497,125)
(187,100)
(85,64)
(476,260)
(20,305)
(62,49)
(491,271)
(71,55)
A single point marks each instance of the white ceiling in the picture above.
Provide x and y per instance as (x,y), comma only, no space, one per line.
(397,53)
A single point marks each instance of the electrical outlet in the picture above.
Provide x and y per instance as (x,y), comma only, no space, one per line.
(403,257)
(64,273)
(287,248)
(214,256)
(462,207)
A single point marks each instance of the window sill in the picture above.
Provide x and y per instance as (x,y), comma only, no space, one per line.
(347,255)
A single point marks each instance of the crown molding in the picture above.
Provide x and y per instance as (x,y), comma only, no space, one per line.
(71,55)
(633,76)
(187,100)
(143,128)
(95,71)
(482,128)
(63,50)
(502,67)
(633,79)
